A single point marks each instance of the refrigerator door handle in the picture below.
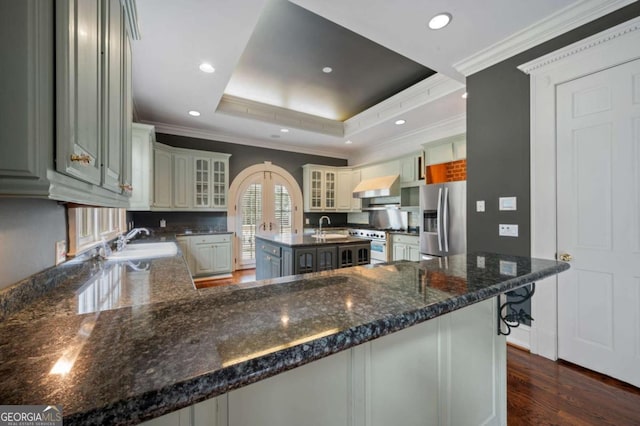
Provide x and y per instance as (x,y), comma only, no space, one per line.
(445,203)
(439,219)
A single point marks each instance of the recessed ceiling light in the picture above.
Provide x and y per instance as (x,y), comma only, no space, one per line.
(194,113)
(400,122)
(205,67)
(349,142)
(440,21)
(327,70)
(465,95)
(284,130)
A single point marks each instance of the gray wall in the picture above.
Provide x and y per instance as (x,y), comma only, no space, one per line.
(498,152)
(243,156)
(28,232)
(498,141)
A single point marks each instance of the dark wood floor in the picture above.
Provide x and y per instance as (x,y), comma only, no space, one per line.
(543,392)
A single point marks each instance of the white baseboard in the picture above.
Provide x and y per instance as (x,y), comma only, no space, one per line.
(520,336)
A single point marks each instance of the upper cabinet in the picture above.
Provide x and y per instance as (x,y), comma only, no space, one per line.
(412,170)
(69,93)
(446,150)
(189,180)
(142,140)
(329,189)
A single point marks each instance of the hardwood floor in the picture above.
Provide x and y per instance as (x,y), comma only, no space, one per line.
(236,277)
(543,392)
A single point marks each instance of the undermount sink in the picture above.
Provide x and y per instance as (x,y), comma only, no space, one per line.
(145,251)
(330,236)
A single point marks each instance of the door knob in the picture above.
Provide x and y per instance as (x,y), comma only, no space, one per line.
(565,257)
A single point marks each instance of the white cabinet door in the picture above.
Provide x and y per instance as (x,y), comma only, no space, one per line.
(408,170)
(344,190)
(222,257)
(113,101)
(220,182)
(203,258)
(413,253)
(78,89)
(141,179)
(329,201)
(182,181)
(399,251)
(162,178)
(126,175)
(460,150)
(201,182)
(442,153)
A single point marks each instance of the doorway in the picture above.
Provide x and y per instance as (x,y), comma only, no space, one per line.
(266,200)
(585,146)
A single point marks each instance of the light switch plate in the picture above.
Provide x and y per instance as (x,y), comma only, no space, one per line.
(480,261)
(508,203)
(61,251)
(505,230)
(508,268)
(480,206)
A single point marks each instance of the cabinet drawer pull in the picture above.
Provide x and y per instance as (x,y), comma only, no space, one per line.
(126,187)
(84,158)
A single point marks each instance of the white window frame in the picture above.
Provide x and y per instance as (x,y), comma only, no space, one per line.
(102,222)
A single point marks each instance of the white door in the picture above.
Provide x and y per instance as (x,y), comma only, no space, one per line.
(265,207)
(598,195)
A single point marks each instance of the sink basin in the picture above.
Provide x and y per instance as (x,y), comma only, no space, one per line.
(145,251)
(330,236)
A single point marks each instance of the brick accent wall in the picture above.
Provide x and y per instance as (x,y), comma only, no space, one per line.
(447,172)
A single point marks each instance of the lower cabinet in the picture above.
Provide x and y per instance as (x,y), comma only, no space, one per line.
(450,370)
(207,254)
(273,261)
(405,247)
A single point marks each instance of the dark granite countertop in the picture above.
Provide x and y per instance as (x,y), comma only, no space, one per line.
(137,344)
(298,240)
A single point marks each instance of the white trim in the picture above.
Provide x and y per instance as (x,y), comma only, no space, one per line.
(428,90)
(520,337)
(131,17)
(267,166)
(220,137)
(409,142)
(252,110)
(569,18)
(609,48)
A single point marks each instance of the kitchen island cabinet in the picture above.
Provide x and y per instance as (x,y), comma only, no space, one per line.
(405,342)
(283,255)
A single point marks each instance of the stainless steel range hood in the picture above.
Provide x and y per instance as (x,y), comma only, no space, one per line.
(385,186)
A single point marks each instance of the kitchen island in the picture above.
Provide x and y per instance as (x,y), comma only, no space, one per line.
(294,254)
(406,343)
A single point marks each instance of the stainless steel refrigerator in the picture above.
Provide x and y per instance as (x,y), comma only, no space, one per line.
(443,230)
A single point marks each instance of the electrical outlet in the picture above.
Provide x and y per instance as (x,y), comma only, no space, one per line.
(480,262)
(61,251)
(163,223)
(480,206)
(306,220)
(507,230)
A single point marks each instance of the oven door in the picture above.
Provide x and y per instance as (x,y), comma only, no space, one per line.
(378,252)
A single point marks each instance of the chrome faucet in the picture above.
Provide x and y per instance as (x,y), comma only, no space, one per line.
(124,239)
(328,222)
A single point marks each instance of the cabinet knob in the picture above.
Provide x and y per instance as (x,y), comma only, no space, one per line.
(84,158)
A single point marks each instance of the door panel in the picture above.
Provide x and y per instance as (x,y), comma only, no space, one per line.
(598,193)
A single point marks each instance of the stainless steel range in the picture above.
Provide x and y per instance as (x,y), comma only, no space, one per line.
(379,240)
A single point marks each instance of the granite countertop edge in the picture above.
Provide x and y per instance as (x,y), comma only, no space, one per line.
(182,394)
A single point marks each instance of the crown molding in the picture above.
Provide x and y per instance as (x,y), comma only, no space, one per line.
(131,16)
(219,137)
(409,142)
(564,20)
(245,108)
(602,39)
(424,92)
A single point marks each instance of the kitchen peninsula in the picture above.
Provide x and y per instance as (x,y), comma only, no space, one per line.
(396,343)
(293,254)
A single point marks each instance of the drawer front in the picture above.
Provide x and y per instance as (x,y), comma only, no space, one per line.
(210,239)
(271,249)
(406,239)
